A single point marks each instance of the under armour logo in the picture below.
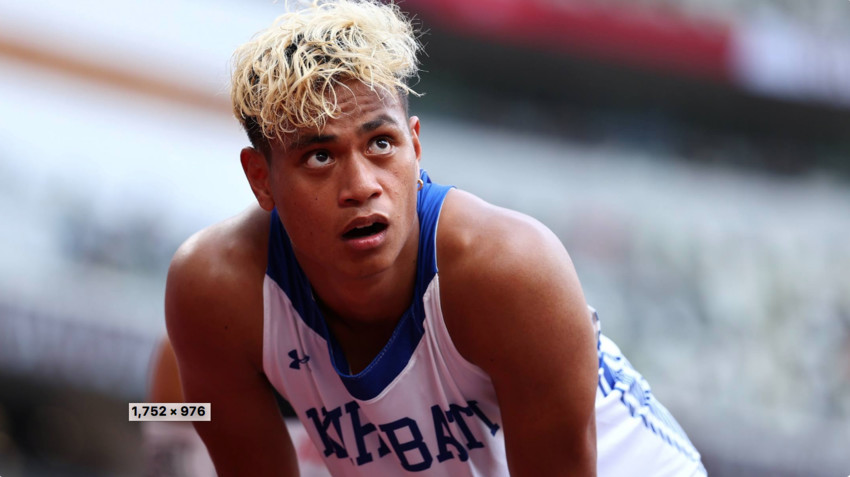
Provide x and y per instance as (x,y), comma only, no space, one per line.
(296,361)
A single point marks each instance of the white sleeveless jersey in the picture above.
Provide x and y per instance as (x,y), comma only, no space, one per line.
(419,408)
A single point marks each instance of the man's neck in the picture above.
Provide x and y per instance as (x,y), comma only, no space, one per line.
(367,303)
(362,313)
(371,302)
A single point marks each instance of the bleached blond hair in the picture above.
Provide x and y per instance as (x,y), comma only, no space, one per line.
(285,78)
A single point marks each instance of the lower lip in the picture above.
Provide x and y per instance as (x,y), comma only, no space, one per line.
(367,243)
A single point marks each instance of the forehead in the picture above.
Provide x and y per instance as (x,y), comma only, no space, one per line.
(356,97)
(356,104)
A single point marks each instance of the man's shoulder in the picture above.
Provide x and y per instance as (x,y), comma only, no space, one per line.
(232,247)
(475,235)
(513,306)
(215,281)
(497,268)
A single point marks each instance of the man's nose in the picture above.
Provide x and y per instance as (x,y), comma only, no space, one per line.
(360,181)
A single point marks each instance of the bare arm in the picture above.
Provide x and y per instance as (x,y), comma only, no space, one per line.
(518,312)
(213,307)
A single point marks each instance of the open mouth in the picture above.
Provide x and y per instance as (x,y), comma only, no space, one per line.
(366,231)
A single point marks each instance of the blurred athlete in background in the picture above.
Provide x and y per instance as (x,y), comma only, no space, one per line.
(413,327)
(173,449)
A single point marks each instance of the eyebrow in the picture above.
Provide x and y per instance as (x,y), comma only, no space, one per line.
(313,139)
(378,122)
(304,141)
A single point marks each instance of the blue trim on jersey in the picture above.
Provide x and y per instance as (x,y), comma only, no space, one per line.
(617,374)
(283,268)
(291,279)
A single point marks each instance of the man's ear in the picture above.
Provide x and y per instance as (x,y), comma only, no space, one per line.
(256,169)
(413,124)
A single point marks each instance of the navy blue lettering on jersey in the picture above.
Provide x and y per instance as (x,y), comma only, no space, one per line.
(404,435)
(456,413)
(415,444)
(446,438)
(284,269)
(360,433)
(329,418)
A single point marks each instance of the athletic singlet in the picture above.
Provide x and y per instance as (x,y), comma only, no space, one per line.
(419,407)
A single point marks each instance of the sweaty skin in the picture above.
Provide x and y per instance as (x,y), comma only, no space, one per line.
(522,317)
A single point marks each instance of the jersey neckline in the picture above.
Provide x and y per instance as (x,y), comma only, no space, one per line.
(284,269)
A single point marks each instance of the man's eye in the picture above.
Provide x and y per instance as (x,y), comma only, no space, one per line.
(381,145)
(318,159)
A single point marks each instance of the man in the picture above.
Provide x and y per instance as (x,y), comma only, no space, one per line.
(328,295)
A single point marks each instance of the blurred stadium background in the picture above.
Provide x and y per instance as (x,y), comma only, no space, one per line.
(693,155)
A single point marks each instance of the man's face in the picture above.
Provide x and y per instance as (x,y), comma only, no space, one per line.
(347,194)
